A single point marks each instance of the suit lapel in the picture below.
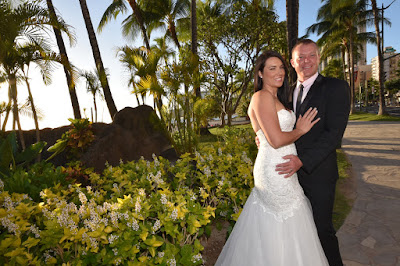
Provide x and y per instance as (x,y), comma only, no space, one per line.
(310,94)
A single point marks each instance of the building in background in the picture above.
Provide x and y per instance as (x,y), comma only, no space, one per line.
(390,64)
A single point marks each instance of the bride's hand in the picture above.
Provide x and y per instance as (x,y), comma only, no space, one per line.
(305,123)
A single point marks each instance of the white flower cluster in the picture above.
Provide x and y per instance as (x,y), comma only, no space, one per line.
(156,226)
(197,258)
(82,198)
(174,214)
(219,151)
(112,238)
(198,155)
(115,251)
(221,182)
(134,224)
(138,207)
(161,254)
(171,262)
(11,227)
(35,230)
(193,196)
(163,199)
(115,185)
(245,158)
(223,213)
(156,161)
(1,184)
(142,192)
(118,261)
(47,255)
(93,242)
(155,178)
(8,203)
(207,171)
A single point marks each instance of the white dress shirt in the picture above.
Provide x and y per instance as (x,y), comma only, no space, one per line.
(306,88)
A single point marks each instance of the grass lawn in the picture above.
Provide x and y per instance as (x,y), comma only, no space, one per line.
(361,116)
(342,203)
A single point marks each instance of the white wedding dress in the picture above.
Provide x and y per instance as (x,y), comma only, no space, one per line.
(276,226)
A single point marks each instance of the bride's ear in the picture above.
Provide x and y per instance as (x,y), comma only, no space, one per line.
(260,74)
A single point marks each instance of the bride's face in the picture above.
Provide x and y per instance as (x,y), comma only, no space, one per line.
(273,73)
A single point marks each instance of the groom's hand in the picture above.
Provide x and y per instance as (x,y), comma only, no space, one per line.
(257,142)
(290,167)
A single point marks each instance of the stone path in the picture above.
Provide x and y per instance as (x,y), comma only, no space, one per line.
(371,232)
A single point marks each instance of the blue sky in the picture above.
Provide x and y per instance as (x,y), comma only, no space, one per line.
(54,99)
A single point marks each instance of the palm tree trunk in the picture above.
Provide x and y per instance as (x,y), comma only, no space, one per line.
(95,108)
(382,107)
(8,110)
(139,19)
(13,93)
(193,25)
(351,55)
(97,58)
(35,118)
(292,31)
(65,62)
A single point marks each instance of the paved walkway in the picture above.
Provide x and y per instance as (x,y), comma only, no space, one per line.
(371,232)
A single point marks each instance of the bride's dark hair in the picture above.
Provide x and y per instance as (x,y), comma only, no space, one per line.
(284,90)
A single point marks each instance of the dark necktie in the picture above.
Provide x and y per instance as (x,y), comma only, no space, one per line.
(298,102)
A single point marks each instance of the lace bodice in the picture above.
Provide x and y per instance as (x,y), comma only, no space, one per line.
(276,194)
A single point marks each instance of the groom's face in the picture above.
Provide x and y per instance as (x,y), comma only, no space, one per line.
(305,60)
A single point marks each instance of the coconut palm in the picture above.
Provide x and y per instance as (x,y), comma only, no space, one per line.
(338,22)
(97,58)
(57,25)
(93,86)
(170,15)
(381,110)
(132,24)
(292,30)
(23,39)
(143,65)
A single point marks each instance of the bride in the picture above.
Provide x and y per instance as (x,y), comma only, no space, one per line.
(276,226)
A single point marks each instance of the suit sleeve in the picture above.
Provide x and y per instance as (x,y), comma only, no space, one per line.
(337,100)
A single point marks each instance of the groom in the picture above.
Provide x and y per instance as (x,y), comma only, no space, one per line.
(316,163)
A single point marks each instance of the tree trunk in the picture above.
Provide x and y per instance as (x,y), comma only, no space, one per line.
(8,110)
(97,58)
(13,94)
(292,31)
(95,108)
(35,118)
(172,30)
(352,76)
(65,62)
(193,25)
(139,19)
(382,107)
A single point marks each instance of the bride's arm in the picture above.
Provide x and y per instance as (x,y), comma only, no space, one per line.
(262,107)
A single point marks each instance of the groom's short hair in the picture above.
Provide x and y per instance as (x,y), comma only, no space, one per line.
(305,41)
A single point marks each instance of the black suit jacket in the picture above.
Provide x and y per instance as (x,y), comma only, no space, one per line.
(317,148)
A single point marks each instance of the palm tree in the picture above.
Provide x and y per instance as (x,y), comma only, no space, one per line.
(292,30)
(97,58)
(22,40)
(132,24)
(338,24)
(143,64)
(93,86)
(169,15)
(64,58)
(382,108)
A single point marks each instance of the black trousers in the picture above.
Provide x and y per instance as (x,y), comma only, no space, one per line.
(321,194)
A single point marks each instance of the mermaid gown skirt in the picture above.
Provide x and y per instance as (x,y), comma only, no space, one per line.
(276,226)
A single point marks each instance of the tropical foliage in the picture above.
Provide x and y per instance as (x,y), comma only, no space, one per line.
(138,212)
